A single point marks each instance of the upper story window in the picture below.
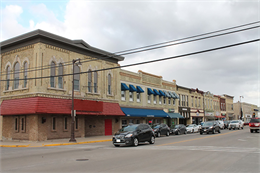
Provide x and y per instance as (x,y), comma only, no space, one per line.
(187,100)
(148,98)
(52,74)
(95,82)
(60,78)
(89,81)
(25,73)
(160,100)
(109,83)
(192,102)
(16,75)
(8,77)
(138,97)
(123,95)
(76,77)
(169,100)
(173,101)
(131,96)
(164,100)
(154,99)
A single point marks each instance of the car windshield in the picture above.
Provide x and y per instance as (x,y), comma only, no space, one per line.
(208,124)
(129,128)
(177,126)
(234,121)
(156,126)
(255,120)
(190,125)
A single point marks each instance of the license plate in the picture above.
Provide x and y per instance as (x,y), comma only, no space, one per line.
(118,140)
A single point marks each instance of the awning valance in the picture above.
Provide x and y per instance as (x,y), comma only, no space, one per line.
(175,115)
(167,94)
(124,87)
(161,93)
(135,112)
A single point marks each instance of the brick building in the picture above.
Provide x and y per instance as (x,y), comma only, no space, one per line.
(36,88)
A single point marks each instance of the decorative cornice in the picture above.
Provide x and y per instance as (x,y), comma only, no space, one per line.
(130,75)
(18,50)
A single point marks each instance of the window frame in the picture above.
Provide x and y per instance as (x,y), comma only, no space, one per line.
(8,71)
(89,81)
(25,73)
(53,124)
(53,72)
(60,78)
(16,75)
(76,78)
(109,84)
(23,124)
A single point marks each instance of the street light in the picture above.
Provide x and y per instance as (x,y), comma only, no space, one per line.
(72,138)
(241,107)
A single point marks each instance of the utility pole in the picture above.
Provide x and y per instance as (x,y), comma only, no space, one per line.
(241,112)
(72,138)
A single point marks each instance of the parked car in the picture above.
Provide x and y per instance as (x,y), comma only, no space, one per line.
(226,123)
(178,129)
(235,124)
(210,126)
(192,128)
(254,124)
(221,124)
(161,129)
(133,134)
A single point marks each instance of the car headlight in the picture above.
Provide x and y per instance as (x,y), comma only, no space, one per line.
(155,130)
(129,135)
(211,127)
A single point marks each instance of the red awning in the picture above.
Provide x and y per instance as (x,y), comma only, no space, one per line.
(46,105)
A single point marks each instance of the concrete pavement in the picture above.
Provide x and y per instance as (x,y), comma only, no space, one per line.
(54,142)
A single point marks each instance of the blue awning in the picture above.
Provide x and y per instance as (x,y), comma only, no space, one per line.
(124,87)
(156,92)
(175,115)
(172,95)
(150,91)
(161,93)
(132,88)
(134,112)
(167,94)
(139,89)
(176,95)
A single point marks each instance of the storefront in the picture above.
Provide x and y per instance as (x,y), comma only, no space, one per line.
(185,112)
(147,116)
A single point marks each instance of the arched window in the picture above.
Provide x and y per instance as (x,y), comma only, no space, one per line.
(89,81)
(7,77)
(60,78)
(95,81)
(109,83)
(52,74)
(76,77)
(25,73)
(16,75)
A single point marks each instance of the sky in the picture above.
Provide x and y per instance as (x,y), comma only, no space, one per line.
(118,25)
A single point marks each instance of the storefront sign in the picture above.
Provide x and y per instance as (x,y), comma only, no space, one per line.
(184,109)
(150,115)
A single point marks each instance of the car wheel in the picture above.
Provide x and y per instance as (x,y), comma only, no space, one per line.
(234,128)
(242,127)
(201,133)
(185,132)
(116,145)
(218,130)
(167,133)
(178,133)
(213,131)
(192,131)
(230,129)
(251,130)
(152,140)
(136,142)
(158,134)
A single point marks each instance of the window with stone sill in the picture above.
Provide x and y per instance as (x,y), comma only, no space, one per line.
(76,123)
(138,95)
(16,124)
(123,95)
(131,96)
(154,100)
(53,124)
(22,124)
(160,100)
(65,124)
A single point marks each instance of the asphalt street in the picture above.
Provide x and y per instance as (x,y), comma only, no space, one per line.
(231,151)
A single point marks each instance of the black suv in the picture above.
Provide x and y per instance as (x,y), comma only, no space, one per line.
(179,129)
(133,134)
(161,129)
(210,126)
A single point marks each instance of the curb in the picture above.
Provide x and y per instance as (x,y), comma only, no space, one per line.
(51,145)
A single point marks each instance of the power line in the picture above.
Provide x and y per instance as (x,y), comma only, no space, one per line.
(146,62)
(114,54)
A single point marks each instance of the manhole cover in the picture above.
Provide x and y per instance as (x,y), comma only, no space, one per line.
(82,160)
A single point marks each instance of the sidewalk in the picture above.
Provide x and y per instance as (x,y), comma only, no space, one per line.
(54,142)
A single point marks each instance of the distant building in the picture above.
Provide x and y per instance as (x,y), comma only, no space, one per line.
(245,111)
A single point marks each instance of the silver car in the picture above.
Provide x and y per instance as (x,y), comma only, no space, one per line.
(235,124)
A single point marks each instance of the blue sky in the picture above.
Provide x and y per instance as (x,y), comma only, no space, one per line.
(115,25)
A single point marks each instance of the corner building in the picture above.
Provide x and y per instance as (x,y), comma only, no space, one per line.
(36,88)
